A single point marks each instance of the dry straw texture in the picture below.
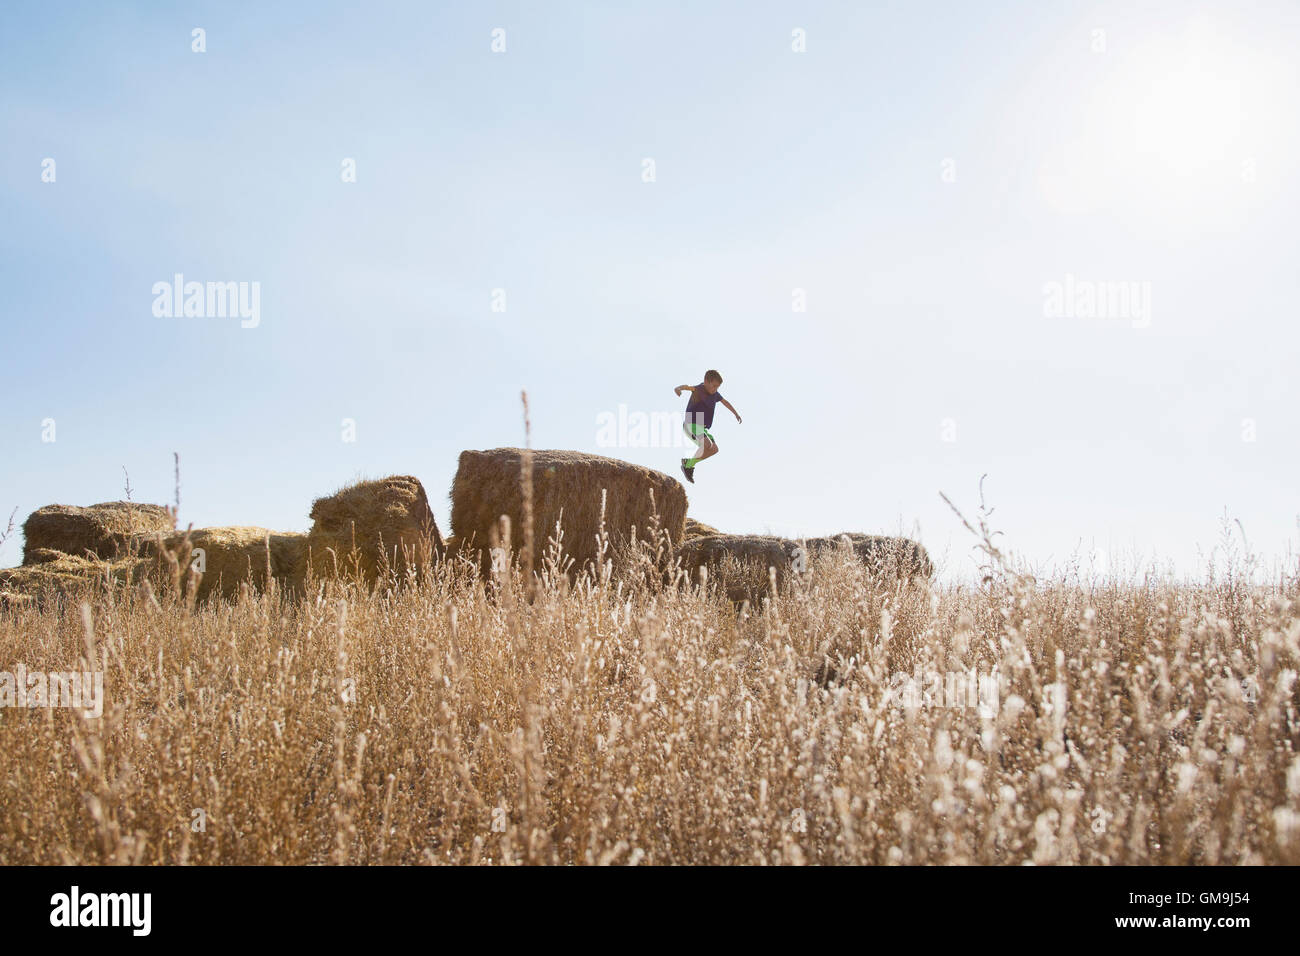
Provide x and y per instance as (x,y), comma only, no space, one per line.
(879,553)
(739,563)
(1140,720)
(41,556)
(698,529)
(567,488)
(387,520)
(61,575)
(231,557)
(101,530)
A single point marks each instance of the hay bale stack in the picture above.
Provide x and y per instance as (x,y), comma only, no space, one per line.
(68,574)
(289,557)
(40,556)
(230,557)
(12,600)
(101,530)
(739,562)
(880,554)
(698,529)
(769,549)
(390,516)
(567,488)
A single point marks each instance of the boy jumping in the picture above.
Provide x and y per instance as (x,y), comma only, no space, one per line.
(699,419)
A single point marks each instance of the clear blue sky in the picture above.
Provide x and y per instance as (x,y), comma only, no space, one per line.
(1167,157)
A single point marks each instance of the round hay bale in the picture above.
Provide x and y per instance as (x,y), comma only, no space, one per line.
(228,557)
(387,518)
(101,530)
(567,488)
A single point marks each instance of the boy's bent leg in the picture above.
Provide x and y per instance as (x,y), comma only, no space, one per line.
(697,434)
(708,444)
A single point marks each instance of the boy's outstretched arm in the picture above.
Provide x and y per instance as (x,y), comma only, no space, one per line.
(684,388)
(731,409)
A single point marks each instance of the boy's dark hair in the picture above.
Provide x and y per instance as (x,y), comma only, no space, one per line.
(712,376)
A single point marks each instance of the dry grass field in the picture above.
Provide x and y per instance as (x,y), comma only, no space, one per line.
(607,719)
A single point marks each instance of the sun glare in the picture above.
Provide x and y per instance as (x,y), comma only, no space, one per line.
(1175,133)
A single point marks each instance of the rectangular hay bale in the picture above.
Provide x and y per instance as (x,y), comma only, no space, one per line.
(385,519)
(100,530)
(567,488)
(230,557)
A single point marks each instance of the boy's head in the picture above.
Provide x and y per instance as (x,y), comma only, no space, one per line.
(712,380)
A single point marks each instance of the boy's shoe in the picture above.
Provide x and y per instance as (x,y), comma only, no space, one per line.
(688,472)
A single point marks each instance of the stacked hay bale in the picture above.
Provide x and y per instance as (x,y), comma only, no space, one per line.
(698,529)
(101,530)
(388,519)
(881,554)
(14,599)
(66,575)
(226,558)
(33,556)
(566,489)
(69,549)
(740,563)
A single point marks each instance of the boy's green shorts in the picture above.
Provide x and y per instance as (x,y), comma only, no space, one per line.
(698,434)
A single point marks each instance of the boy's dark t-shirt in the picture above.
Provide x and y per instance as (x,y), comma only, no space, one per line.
(699,410)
